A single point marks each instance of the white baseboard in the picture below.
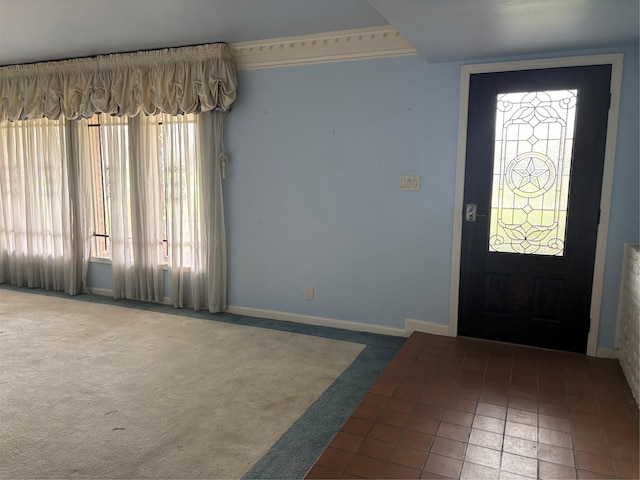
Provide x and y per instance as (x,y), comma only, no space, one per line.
(107,292)
(317,321)
(606,352)
(411,325)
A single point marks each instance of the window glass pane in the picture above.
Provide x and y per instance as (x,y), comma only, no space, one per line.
(108,137)
(532,165)
(99,173)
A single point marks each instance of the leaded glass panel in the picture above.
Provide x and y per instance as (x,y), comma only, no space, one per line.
(531,171)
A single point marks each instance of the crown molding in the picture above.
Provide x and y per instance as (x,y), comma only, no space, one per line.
(341,46)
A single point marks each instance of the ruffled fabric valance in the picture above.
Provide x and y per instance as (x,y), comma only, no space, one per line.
(173,81)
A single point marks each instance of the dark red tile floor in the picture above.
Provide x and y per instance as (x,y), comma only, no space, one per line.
(464,408)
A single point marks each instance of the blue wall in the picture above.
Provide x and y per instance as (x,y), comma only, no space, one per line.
(312,194)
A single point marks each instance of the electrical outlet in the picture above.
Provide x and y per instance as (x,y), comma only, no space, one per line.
(309,293)
(409,183)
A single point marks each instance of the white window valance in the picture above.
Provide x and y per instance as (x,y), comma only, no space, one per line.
(175,80)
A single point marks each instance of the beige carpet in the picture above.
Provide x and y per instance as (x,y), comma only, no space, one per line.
(98,391)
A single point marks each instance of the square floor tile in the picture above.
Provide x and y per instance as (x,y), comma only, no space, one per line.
(366,412)
(433,412)
(554,454)
(489,424)
(554,409)
(520,446)
(523,403)
(400,405)
(592,443)
(335,459)
(504,475)
(553,437)
(366,467)
(458,418)
(424,425)
(374,399)
(462,404)
(427,475)
(386,433)
(486,439)
(347,441)
(522,416)
(594,463)
(489,410)
(518,464)
(454,432)
(625,469)
(357,426)
(414,439)
(520,430)
(472,471)
(390,417)
(448,448)
(554,423)
(409,457)
(483,456)
(382,389)
(395,471)
(492,396)
(372,447)
(447,466)
(320,472)
(552,471)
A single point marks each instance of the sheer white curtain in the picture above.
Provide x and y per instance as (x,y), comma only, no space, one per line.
(211,146)
(147,232)
(40,232)
(192,147)
(130,153)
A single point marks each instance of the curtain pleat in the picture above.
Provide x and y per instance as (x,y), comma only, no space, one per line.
(129,155)
(214,287)
(145,201)
(196,256)
(115,155)
(80,202)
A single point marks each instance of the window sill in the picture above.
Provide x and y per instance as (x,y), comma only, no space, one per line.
(100,260)
(107,261)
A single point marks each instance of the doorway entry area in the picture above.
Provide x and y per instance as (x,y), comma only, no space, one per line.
(535,156)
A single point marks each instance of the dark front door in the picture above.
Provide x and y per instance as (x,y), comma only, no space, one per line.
(533,176)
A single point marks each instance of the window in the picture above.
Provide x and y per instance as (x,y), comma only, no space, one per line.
(177,177)
(532,167)
(177,154)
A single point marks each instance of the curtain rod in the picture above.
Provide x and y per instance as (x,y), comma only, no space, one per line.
(110,53)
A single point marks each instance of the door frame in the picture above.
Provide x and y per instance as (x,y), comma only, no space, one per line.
(615,60)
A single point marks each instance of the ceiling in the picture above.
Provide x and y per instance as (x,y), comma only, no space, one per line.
(441,30)
(450,30)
